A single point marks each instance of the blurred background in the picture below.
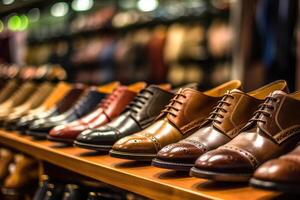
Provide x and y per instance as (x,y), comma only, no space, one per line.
(205,41)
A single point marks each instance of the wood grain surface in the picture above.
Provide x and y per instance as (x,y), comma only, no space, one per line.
(140,178)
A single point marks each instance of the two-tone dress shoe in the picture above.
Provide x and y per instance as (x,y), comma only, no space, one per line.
(271,132)
(227,118)
(184,114)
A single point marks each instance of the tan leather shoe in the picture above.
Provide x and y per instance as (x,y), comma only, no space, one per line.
(281,174)
(19,97)
(55,96)
(35,100)
(271,132)
(6,157)
(24,173)
(8,90)
(180,118)
(227,118)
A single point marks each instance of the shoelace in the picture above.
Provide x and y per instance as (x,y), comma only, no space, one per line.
(109,99)
(264,109)
(139,101)
(219,110)
(170,108)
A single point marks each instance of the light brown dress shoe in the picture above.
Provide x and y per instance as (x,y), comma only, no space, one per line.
(271,132)
(23,174)
(6,157)
(55,96)
(35,100)
(227,118)
(8,90)
(181,117)
(281,174)
(19,97)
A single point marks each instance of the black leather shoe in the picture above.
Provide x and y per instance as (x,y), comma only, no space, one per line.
(65,104)
(87,103)
(139,114)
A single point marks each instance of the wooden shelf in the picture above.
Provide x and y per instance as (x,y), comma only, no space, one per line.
(140,178)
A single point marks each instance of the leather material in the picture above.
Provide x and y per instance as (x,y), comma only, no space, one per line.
(272,131)
(8,90)
(225,122)
(6,158)
(24,175)
(139,115)
(110,107)
(181,117)
(85,104)
(33,102)
(284,170)
(19,97)
(62,106)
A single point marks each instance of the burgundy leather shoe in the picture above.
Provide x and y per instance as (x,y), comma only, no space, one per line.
(110,107)
(272,132)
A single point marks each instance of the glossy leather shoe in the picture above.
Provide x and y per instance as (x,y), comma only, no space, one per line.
(112,106)
(23,176)
(227,118)
(271,132)
(33,102)
(19,97)
(281,174)
(60,90)
(62,106)
(8,90)
(68,132)
(6,157)
(84,105)
(181,117)
(140,113)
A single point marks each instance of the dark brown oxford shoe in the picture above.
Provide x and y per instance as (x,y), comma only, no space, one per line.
(227,118)
(271,132)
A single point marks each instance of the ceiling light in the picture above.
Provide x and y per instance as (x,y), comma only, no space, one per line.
(82,5)
(14,22)
(34,14)
(147,5)
(7,2)
(59,9)
(24,23)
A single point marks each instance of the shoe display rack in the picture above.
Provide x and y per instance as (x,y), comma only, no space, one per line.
(137,177)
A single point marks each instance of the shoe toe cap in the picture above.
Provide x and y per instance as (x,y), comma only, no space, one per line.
(223,160)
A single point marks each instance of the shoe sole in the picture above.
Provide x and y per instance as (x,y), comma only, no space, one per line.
(61,140)
(105,148)
(274,186)
(171,165)
(218,176)
(37,135)
(132,156)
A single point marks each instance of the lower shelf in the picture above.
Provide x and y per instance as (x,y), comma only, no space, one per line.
(140,178)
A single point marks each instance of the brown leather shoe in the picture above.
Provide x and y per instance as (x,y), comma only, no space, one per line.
(8,90)
(281,174)
(227,118)
(271,132)
(180,118)
(23,175)
(19,97)
(6,157)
